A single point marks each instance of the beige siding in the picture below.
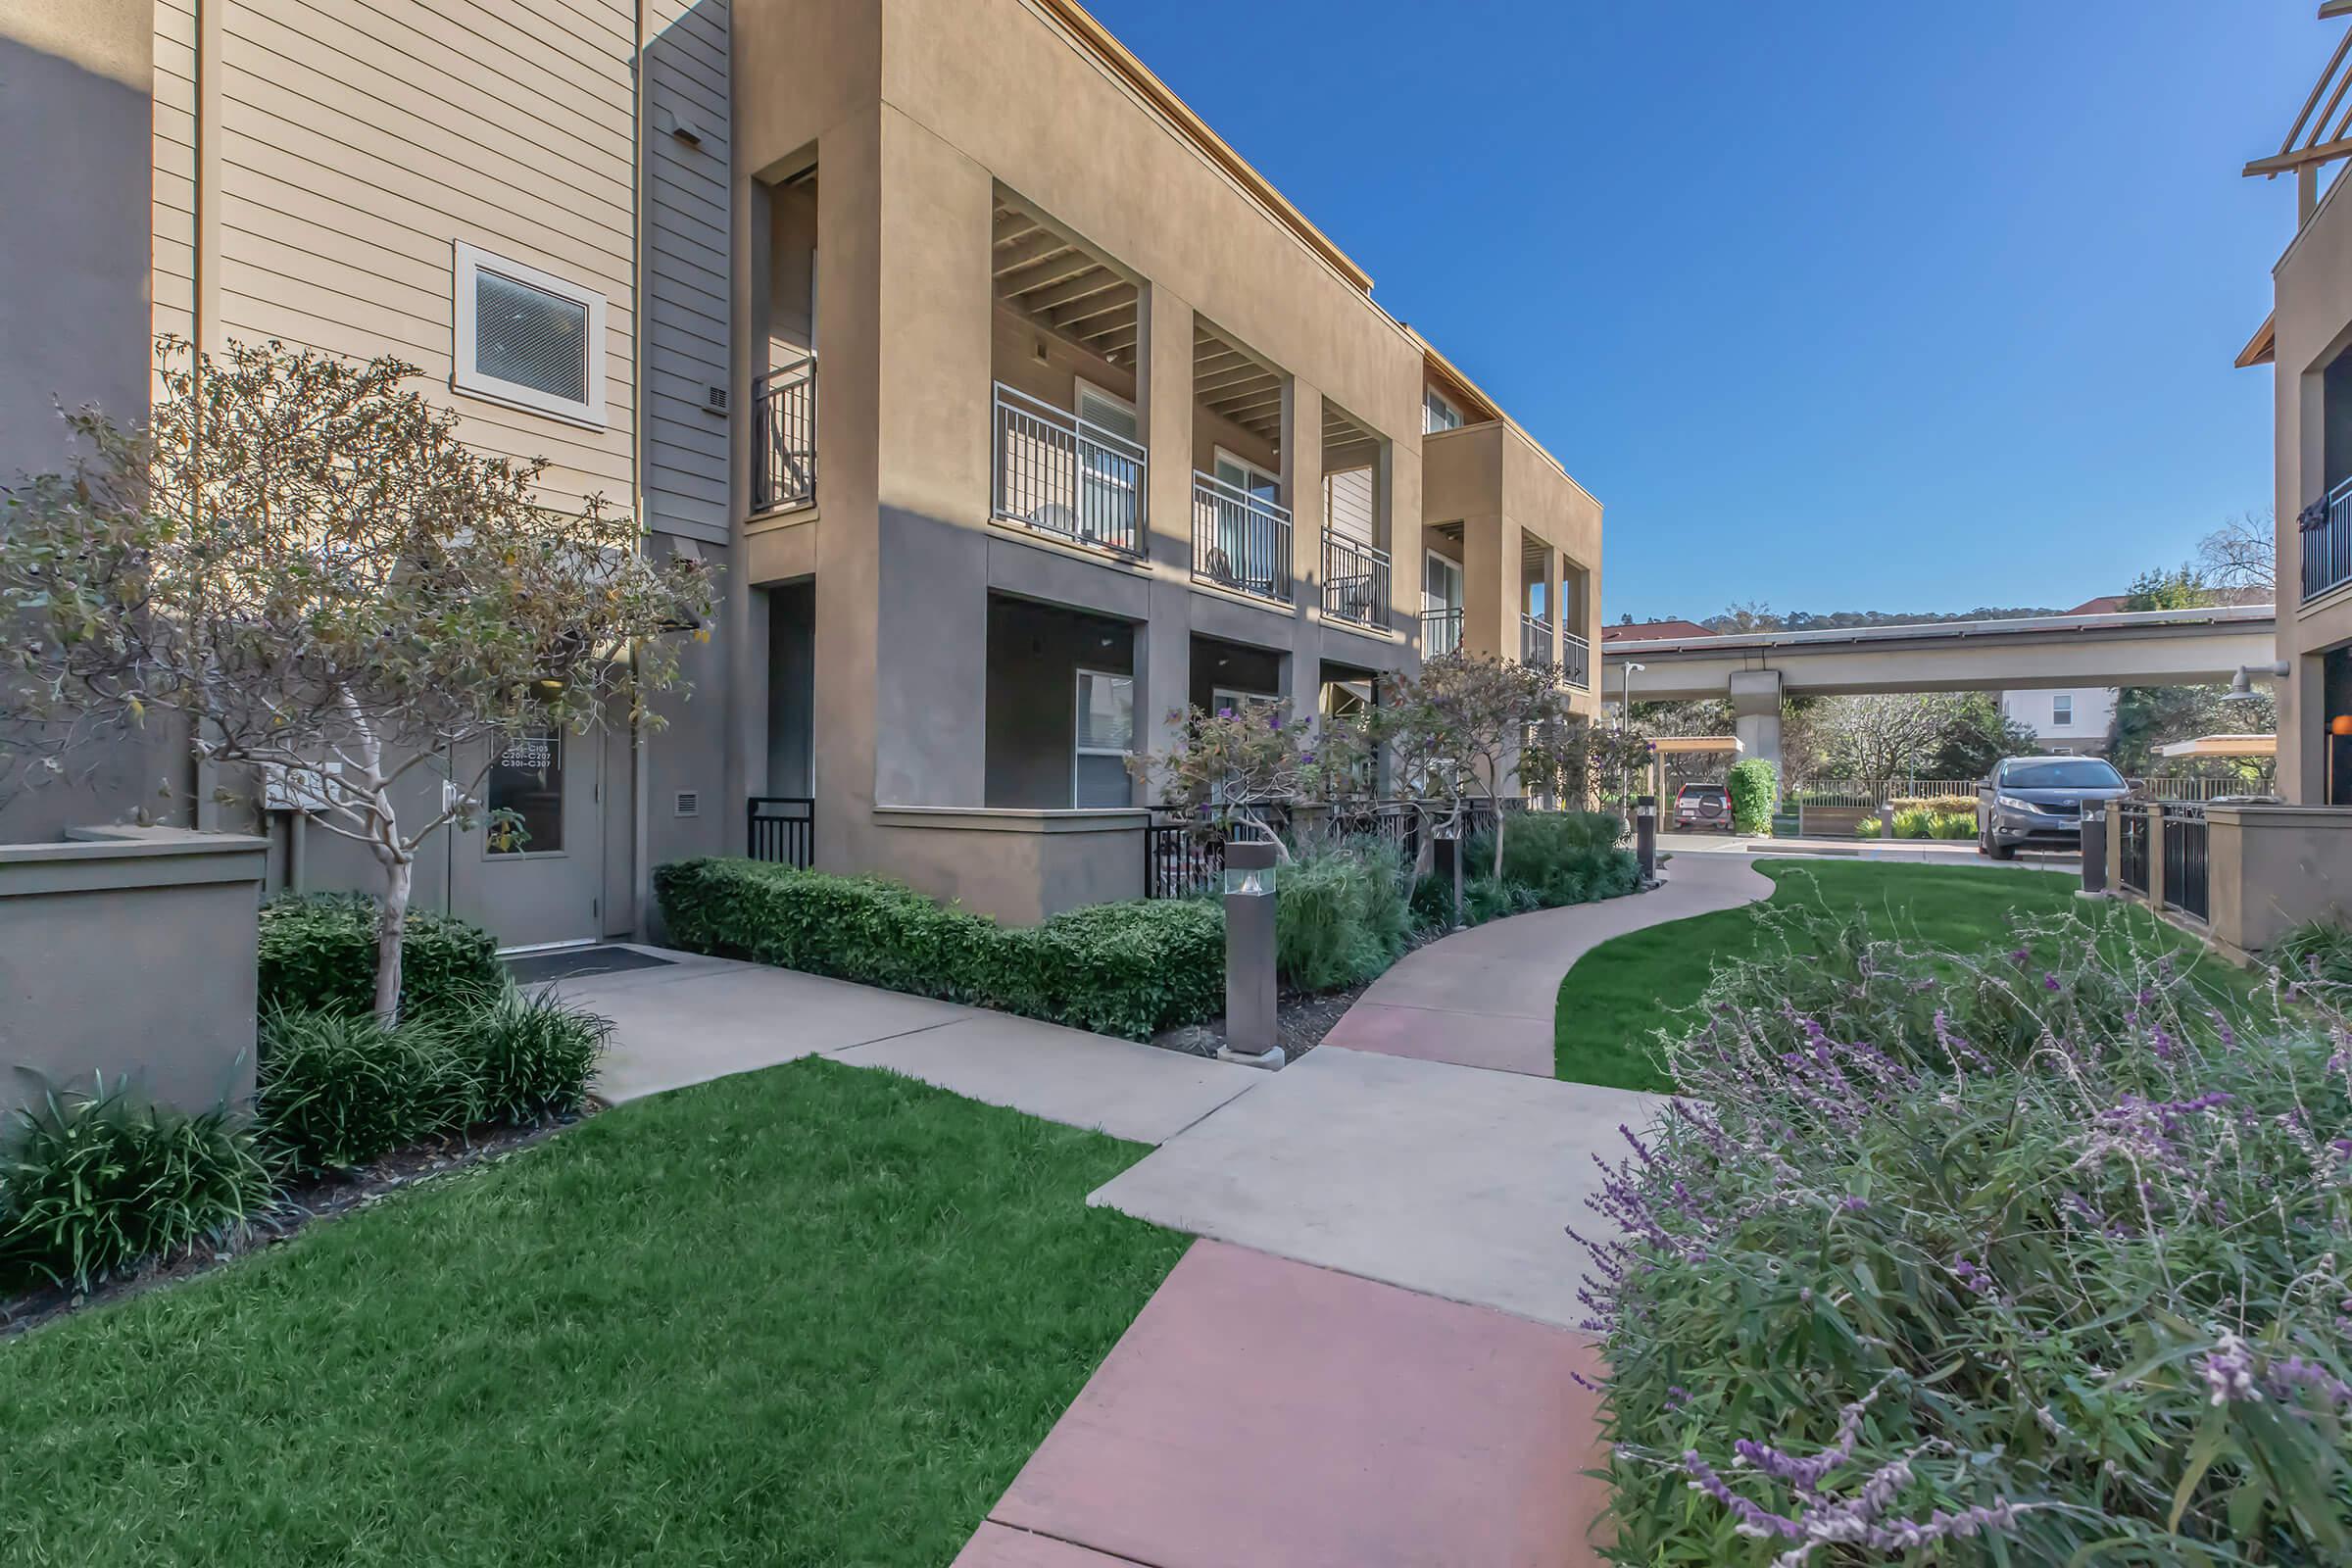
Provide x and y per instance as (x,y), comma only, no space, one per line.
(359,142)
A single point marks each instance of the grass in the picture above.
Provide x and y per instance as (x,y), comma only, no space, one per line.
(818,1315)
(1621,992)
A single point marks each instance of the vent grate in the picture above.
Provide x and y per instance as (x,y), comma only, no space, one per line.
(688,802)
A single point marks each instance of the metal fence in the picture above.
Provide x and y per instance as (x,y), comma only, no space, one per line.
(1576,660)
(1440,631)
(1184,855)
(2327,529)
(1069,477)
(1355,580)
(2185,863)
(1240,541)
(2181,788)
(784,438)
(1535,640)
(782,828)
(2131,862)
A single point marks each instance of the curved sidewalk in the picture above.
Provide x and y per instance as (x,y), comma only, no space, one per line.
(1487,997)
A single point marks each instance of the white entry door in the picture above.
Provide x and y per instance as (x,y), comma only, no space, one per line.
(533,873)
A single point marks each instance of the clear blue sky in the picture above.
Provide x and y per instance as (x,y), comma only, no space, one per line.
(1836,304)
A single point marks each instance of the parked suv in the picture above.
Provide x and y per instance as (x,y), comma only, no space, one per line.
(1702,806)
(2039,800)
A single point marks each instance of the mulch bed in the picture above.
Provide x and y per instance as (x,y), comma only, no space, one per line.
(297,1208)
(1301,1018)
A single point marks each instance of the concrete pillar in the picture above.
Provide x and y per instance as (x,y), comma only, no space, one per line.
(1164,655)
(1490,587)
(1756,713)
(1302,492)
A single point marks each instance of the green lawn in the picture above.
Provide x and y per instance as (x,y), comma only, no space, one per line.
(816,1315)
(1619,993)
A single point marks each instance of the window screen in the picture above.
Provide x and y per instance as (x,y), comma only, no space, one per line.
(531,337)
(1106,711)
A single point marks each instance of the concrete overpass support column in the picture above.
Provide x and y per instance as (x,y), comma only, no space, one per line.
(1756,713)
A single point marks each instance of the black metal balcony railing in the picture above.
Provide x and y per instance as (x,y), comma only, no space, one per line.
(782,828)
(1576,660)
(2131,860)
(1355,580)
(2327,528)
(1067,478)
(1535,640)
(1240,541)
(784,438)
(1440,631)
(2186,865)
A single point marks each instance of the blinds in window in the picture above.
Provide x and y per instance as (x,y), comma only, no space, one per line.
(1348,503)
(1111,414)
(1106,711)
(531,337)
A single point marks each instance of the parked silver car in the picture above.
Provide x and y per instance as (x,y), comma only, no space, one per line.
(2039,800)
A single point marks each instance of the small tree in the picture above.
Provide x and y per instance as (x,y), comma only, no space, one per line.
(304,564)
(1753,784)
(1461,728)
(1878,737)
(2242,552)
(1234,764)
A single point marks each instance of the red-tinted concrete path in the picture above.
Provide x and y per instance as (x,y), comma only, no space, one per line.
(1265,1413)
(1487,997)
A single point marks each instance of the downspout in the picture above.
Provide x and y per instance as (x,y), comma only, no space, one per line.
(641,773)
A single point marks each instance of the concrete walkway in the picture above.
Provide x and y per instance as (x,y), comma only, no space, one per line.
(697,1018)
(1487,997)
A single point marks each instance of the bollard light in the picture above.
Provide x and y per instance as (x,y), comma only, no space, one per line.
(1249,993)
(1645,836)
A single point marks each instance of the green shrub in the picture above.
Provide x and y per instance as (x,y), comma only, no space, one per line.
(526,1055)
(1130,969)
(318,950)
(1937,805)
(93,1183)
(1431,901)
(1339,918)
(1485,899)
(1912,824)
(1868,827)
(2024,1256)
(2319,949)
(1561,857)
(1753,784)
(1952,825)
(338,1089)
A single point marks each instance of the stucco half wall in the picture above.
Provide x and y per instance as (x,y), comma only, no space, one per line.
(131,953)
(1017,865)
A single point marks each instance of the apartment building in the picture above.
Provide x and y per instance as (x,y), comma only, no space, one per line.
(2308,340)
(1017,410)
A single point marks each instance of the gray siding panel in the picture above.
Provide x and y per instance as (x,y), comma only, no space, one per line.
(685,276)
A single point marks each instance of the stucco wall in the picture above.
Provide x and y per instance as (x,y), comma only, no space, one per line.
(2312,281)
(179,912)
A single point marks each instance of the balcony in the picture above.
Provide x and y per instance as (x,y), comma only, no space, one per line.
(1240,541)
(2327,527)
(784,438)
(1576,660)
(1065,477)
(1535,640)
(1355,580)
(1440,631)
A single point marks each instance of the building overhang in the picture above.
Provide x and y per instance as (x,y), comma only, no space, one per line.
(2225,745)
(2263,347)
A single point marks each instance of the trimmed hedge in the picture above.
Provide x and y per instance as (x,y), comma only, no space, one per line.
(1131,969)
(1753,784)
(318,950)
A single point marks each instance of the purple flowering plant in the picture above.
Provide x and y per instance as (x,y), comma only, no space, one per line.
(2038,1254)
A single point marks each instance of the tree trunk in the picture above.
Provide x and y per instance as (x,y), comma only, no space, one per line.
(388,932)
(1495,802)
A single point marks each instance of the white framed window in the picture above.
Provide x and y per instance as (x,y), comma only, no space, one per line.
(1106,714)
(1438,413)
(2062,710)
(1441,582)
(1223,699)
(528,339)
(1247,477)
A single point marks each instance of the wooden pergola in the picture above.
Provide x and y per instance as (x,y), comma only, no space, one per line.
(2224,745)
(2322,132)
(1679,744)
